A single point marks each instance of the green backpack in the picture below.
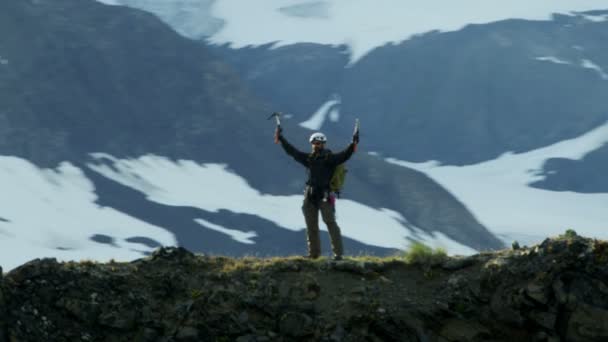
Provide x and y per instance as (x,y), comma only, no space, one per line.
(336,183)
(337,179)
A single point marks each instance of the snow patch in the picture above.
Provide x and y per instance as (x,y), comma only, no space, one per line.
(52,213)
(595,18)
(190,18)
(3,61)
(364,25)
(497,191)
(334,115)
(317,120)
(237,235)
(552,59)
(110,2)
(313,9)
(587,64)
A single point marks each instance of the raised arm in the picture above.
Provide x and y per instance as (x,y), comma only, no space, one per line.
(345,155)
(299,156)
(342,157)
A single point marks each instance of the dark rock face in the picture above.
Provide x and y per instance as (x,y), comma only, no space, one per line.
(3,316)
(587,175)
(87,77)
(555,291)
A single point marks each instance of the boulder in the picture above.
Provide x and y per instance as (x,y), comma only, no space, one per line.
(187,334)
(537,292)
(296,324)
(461,330)
(588,323)
(457,263)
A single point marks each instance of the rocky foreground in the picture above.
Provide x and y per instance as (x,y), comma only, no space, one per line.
(556,291)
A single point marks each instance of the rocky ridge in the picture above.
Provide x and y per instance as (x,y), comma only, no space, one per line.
(554,291)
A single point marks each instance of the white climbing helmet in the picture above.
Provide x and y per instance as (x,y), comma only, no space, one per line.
(317,137)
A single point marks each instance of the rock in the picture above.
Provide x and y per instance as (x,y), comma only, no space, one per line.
(121,320)
(502,308)
(284,290)
(149,334)
(187,334)
(1,293)
(360,268)
(34,268)
(457,263)
(79,308)
(312,289)
(243,317)
(461,330)
(537,292)
(541,336)
(497,262)
(560,292)
(296,324)
(588,323)
(307,289)
(545,319)
(171,253)
(338,333)
(515,245)
(358,290)
(601,286)
(523,300)
(456,280)
(247,338)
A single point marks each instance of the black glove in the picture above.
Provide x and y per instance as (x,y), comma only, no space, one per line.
(356,138)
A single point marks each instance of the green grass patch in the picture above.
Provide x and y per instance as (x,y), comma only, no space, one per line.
(421,254)
(569,234)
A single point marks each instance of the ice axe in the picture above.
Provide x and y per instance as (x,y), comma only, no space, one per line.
(356,134)
(277,132)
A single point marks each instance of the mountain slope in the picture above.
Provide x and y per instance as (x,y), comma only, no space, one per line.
(496,90)
(122,74)
(481,83)
(489,95)
(87,86)
(467,99)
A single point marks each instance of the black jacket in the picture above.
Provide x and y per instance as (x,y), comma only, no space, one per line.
(320,165)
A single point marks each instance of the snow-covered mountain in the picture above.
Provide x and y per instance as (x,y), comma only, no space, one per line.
(113,143)
(502,98)
(362,25)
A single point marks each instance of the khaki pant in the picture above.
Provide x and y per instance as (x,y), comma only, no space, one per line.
(328,213)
